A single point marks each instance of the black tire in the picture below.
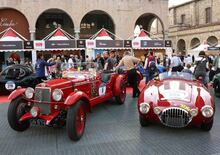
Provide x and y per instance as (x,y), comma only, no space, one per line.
(143,121)
(15,110)
(72,119)
(207,127)
(120,99)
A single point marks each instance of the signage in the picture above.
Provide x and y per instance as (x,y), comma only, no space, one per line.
(81,43)
(5,22)
(28,45)
(136,43)
(50,44)
(11,45)
(168,43)
(214,48)
(109,43)
(90,43)
(39,44)
(128,43)
(152,43)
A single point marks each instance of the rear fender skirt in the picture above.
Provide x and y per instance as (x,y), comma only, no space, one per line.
(16,93)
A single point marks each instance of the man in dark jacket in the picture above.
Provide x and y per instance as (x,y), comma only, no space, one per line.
(40,67)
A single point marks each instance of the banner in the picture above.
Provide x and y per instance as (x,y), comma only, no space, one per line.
(81,44)
(152,43)
(136,43)
(109,43)
(168,43)
(127,43)
(39,44)
(213,48)
(50,44)
(90,43)
(11,45)
(28,45)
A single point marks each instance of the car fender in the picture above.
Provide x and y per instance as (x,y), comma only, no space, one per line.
(16,93)
(76,96)
(117,85)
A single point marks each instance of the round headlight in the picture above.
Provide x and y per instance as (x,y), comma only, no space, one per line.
(194,112)
(144,108)
(157,110)
(207,111)
(57,94)
(29,93)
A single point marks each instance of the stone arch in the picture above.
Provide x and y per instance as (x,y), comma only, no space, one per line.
(11,17)
(212,40)
(52,18)
(181,45)
(195,42)
(93,21)
(145,21)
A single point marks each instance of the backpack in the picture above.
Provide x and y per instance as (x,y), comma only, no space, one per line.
(152,68)
(200,69)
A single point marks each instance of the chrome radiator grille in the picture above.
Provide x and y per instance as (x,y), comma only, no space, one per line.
(42,95)
(175,117)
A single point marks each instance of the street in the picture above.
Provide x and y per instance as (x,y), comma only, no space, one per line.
(111,129)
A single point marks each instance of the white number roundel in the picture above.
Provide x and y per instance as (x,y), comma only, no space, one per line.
(102,90)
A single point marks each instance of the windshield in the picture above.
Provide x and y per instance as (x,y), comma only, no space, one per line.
(176,75)
(81,70)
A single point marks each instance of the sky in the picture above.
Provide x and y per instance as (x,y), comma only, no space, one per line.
(176,2)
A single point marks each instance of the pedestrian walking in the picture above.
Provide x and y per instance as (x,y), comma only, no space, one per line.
(129,62)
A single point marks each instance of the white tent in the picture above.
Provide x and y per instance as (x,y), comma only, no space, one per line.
(201,47)
(11,35)
(59,34)
(143,36)
(103,35)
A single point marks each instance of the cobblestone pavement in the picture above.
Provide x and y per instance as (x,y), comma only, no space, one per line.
(111,129)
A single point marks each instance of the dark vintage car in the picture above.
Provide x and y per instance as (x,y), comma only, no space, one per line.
(65,101)
(16,75)
(176,100)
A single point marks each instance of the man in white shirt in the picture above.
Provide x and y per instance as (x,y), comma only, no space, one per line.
(175,63)
(70,61)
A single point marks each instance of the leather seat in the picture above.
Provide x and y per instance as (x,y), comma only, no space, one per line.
(106,77)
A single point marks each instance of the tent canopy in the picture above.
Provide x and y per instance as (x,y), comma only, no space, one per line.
(11,35)
(104,34)
(143,36)
(59,34)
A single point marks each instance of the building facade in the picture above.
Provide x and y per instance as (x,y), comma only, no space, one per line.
(193,23)
(82,18)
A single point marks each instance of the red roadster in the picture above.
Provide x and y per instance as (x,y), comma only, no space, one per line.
(65,100)
(176,100)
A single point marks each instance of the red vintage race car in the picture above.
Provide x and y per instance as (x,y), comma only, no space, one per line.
(65,101)
(176,100)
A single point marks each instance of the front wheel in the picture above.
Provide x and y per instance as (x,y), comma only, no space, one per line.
(207,126)
(143,121)
(120,98)
(76,119)
(17,108)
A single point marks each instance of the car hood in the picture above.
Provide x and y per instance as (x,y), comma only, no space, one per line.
(176,93)
(175,90)
(59,83)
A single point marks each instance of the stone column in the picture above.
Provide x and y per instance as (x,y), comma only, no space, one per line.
(32,35)
(77,31)
(33,52)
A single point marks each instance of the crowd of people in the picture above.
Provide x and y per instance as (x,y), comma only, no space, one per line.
(203,66)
